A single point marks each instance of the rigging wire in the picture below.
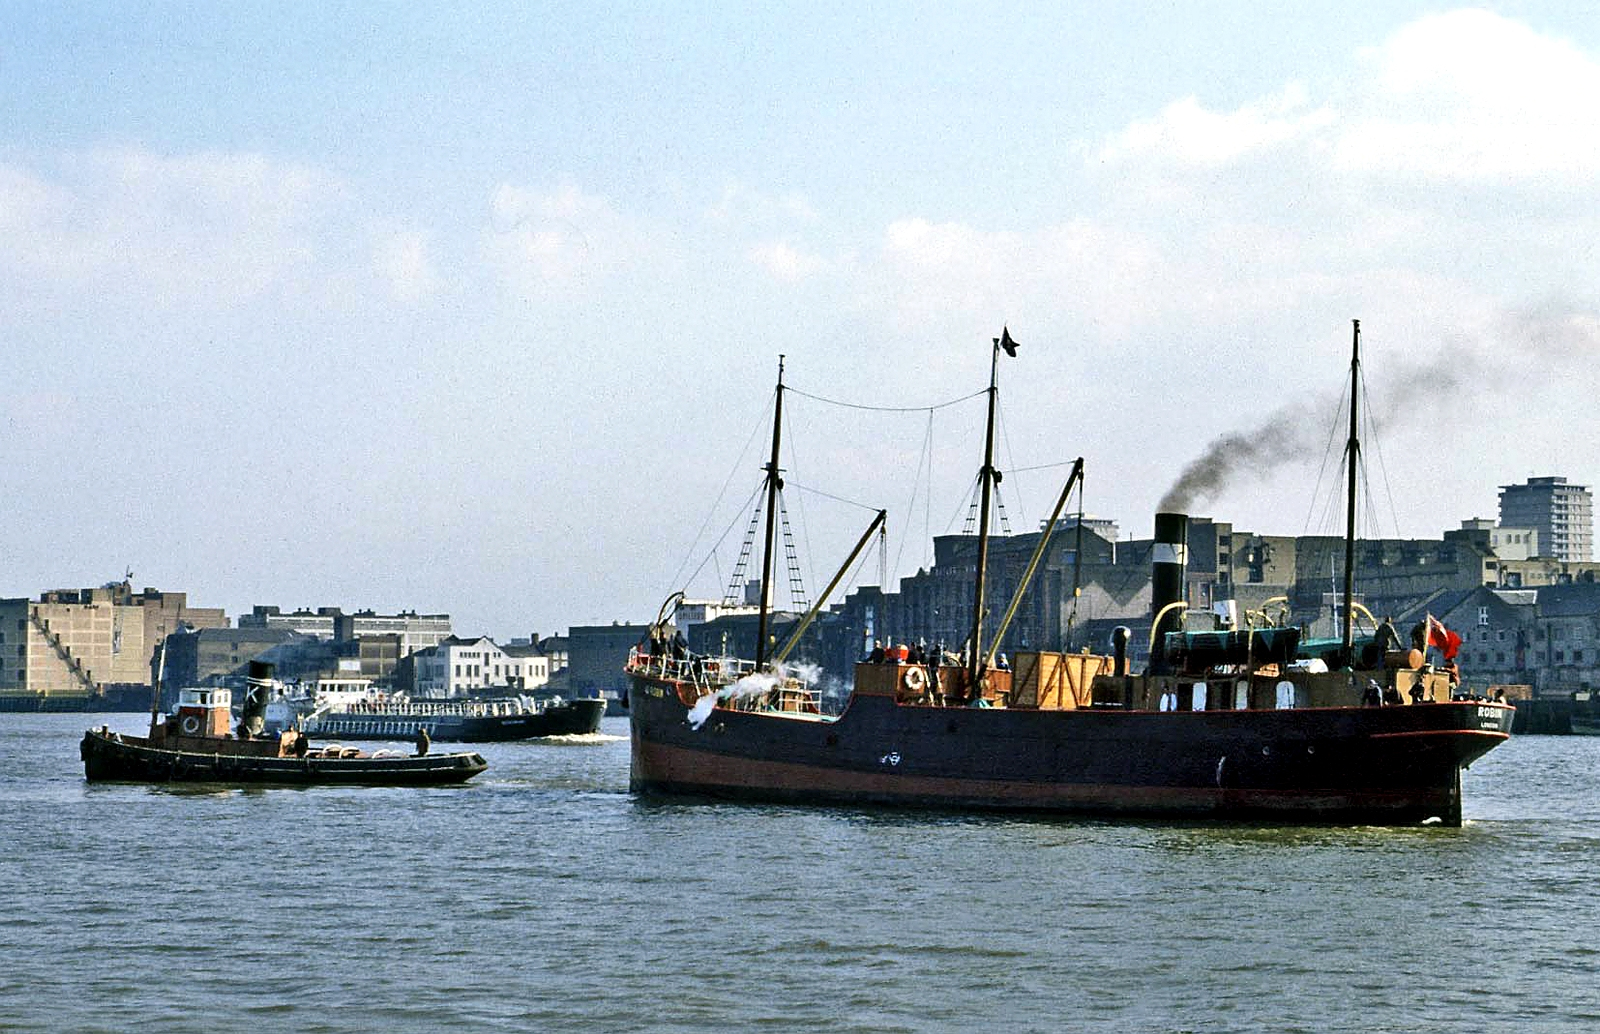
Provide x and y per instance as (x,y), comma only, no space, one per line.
(927,499)
(924,455)
(1041,466)
(731,595)
(711,511)
(1373,527)
(712,554)
(853,578)
(887,409)
(826,495)
(800,503)
(1377,447)
(1005,441)
(970,504)
(1327,456)
(1077,565)
(1330,503)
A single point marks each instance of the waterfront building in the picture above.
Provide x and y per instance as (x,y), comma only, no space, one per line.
(698,612)
(77,648)
(317,622)
(1536,571)
(414,631)
(1547,637)
(1507,543)
(222,656)
(596,655)
(373,657)
(1561,513)
(555,647)
(527,667)
(458,667)
(734,635)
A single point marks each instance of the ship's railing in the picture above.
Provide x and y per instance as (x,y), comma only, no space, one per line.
(431,709)
(708,673)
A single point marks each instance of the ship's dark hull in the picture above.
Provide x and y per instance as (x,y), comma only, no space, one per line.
(1372,765)
(112,758)
(568,718)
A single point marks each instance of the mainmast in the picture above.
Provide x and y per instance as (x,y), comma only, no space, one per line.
(987,475)
(1353,456)
(774,484)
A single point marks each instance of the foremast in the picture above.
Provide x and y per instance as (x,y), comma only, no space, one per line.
(774,485)
(1352,458)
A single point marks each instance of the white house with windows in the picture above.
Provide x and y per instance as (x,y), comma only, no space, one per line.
(527,668)
(466,667)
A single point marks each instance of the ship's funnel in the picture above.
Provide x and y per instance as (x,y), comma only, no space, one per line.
(1169,557)
(257,694)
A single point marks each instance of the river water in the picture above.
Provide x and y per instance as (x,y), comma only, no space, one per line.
(542,896)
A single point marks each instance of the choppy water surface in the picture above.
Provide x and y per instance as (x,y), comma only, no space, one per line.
(542,896)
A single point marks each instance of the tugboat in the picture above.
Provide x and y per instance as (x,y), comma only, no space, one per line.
(194,745)
(1240,724)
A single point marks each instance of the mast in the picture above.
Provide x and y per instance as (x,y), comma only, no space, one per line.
(1353,450)
(155,691)
(774,483)
(1075,478)
(986,476)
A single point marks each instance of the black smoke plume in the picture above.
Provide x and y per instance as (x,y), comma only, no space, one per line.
(1462,370)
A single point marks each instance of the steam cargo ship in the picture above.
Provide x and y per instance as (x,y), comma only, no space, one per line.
(1246,724)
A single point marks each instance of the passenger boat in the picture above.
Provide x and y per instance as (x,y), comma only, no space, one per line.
(1237,724)
(459,721)
(194,745)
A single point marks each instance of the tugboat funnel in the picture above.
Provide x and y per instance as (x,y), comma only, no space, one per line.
(257,694)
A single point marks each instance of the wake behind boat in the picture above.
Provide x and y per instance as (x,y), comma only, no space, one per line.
(1239,723)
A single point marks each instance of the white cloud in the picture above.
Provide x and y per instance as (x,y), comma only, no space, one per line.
(1470,95)
(555,242)
(403,261)
(787,263)
(928,272)
(1187,133)
(1464,96)
(164,228)
(746,206)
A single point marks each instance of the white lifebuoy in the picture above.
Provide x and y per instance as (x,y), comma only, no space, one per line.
(190,725)
(915,679)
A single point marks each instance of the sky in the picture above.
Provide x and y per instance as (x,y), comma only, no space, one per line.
(477,309)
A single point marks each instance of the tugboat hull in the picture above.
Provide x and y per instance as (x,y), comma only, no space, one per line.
(110,757)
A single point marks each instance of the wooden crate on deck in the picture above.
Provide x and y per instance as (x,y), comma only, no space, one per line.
(1055,681)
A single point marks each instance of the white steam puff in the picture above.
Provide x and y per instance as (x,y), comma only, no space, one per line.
(753,685)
